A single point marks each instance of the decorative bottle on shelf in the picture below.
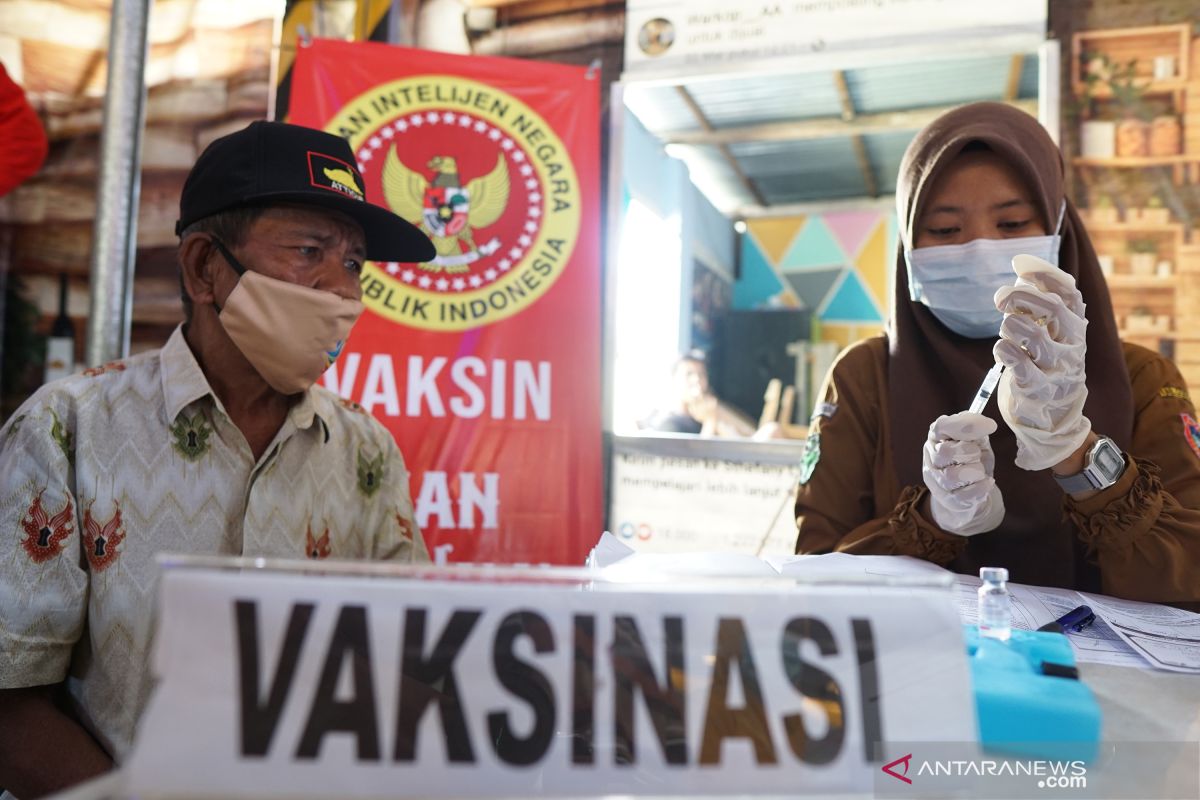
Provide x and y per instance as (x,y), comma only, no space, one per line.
(995,604)
(60,345)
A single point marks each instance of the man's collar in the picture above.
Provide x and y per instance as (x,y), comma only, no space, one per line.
(184,382)
(314,406)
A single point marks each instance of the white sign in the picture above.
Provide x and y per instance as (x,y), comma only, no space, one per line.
(666,503)
(312,686)
(698,36)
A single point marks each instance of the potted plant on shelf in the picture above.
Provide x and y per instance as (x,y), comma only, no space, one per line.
(1133,128)
(1166,134)
(1143,255)
(1103,212)
(1143,320)
(1155,213)
(1097,137)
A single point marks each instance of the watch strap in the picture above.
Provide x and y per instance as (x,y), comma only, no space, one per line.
(1091,476)
(1073,484)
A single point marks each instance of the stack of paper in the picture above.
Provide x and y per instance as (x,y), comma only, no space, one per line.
(1125,633)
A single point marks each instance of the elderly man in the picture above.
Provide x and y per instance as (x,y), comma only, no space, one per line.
(219,443)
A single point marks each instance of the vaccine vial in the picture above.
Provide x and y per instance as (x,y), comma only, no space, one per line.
(995,604)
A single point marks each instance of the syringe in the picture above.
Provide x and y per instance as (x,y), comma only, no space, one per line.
(986,389)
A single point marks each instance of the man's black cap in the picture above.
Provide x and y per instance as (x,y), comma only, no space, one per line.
(275,162)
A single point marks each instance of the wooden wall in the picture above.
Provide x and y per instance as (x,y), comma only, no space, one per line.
(208,72)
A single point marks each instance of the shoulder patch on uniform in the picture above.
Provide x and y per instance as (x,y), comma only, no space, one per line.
(1174,393)
(812,454)
(1191,432)
(826,410)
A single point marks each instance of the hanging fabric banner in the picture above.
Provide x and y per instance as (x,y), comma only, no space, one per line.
(485,362)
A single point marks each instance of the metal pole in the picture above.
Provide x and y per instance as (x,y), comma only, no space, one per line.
(397,30)
(114,237)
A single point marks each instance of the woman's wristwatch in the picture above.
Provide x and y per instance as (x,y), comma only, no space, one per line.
(1103,466)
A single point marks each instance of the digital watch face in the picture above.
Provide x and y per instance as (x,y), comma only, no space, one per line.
(1108,460)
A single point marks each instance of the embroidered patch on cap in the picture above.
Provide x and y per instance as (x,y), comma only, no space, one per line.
(1191,432)
(1174,392)
(812,454)
(327,172)
(826,410)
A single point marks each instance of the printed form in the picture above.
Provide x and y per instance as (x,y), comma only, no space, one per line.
(1124,634)
(1034,606)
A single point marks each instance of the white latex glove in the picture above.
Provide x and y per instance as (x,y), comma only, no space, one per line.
(957,464)
(1043,341)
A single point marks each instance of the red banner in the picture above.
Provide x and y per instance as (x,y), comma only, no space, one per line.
(485,363)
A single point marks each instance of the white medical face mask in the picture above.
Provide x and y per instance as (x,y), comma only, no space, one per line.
(957,282)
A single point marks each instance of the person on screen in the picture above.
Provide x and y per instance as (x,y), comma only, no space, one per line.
(694,408)
(219,443)
(1084,471)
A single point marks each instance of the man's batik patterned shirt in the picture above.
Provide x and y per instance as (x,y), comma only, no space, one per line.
(102,471)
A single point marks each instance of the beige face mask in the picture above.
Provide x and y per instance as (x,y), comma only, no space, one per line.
(290,334)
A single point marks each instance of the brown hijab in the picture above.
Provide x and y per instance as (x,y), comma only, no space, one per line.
(933,371)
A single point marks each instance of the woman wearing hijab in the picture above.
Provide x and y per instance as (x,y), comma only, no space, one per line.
(1085,473)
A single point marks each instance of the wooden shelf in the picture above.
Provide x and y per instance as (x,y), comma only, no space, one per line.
(1142,45)
(1173,336)
(1127,33)
(1171,300)
(1133,227)
(1171,86)
(1120,281)
(1136,161)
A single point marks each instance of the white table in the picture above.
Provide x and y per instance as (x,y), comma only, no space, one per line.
(1151,728)
(1151,737)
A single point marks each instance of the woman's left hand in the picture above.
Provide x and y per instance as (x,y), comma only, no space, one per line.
(1043,341)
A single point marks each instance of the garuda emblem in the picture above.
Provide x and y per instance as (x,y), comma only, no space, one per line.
(449,213)
(101,538)
(45,530)
(315,548)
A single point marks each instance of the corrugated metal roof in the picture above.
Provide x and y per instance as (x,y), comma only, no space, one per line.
(885,151)
(935,83)
(794,172)
(810,170)
(750,102)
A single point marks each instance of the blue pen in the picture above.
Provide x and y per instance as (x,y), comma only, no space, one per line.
(1074,620)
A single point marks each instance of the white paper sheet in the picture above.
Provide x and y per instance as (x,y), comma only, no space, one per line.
(1034,606)
(1124,633)
(608,551)
(1169,638)
(858,566)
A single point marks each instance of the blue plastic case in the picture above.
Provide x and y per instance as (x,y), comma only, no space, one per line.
(1028,698)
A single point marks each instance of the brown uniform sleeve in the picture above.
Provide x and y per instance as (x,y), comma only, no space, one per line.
(838,504)
(1145,529)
